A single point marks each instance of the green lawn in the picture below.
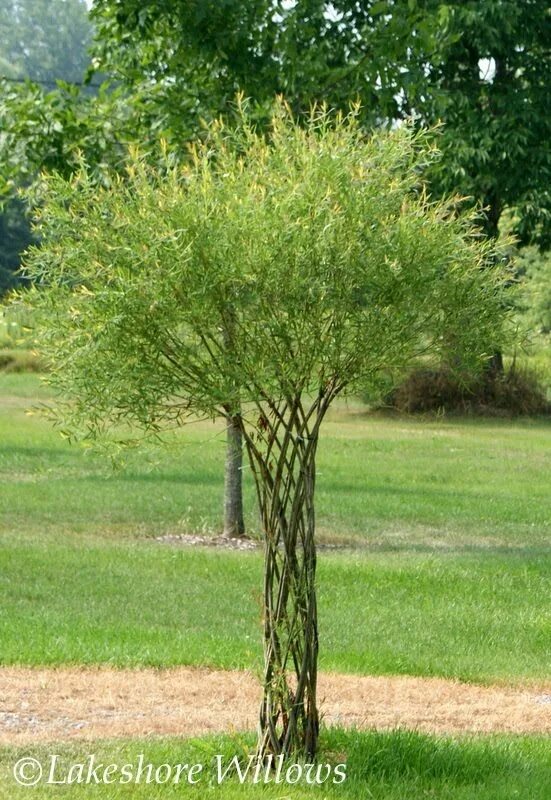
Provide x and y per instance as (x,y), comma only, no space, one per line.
(454,581)
(380,766)
(477,616)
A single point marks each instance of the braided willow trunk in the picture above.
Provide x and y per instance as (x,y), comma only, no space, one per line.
(282,454)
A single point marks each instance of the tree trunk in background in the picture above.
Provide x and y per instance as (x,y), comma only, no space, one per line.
(234,525)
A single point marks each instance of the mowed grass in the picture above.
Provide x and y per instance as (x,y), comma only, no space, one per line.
(82,580)
(388,483)
(381,766)
(480,617)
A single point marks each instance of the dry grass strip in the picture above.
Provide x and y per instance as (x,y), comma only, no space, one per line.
(39,705)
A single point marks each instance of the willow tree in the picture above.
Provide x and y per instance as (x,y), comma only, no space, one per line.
(272,274)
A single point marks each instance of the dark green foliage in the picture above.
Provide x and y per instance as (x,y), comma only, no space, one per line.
(52,130)
(490,86)
(480,67)
(182,61)
(55,130)
(187,58)
(15,236)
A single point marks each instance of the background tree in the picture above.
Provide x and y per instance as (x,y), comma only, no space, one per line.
(40,43)
(319,250)
(51,129)
(489,85)
(188,58)
(44,41)
(480,67)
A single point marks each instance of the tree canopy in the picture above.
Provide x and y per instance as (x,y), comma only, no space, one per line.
(480,67)
(188,58)
(260,232)
(490,87)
